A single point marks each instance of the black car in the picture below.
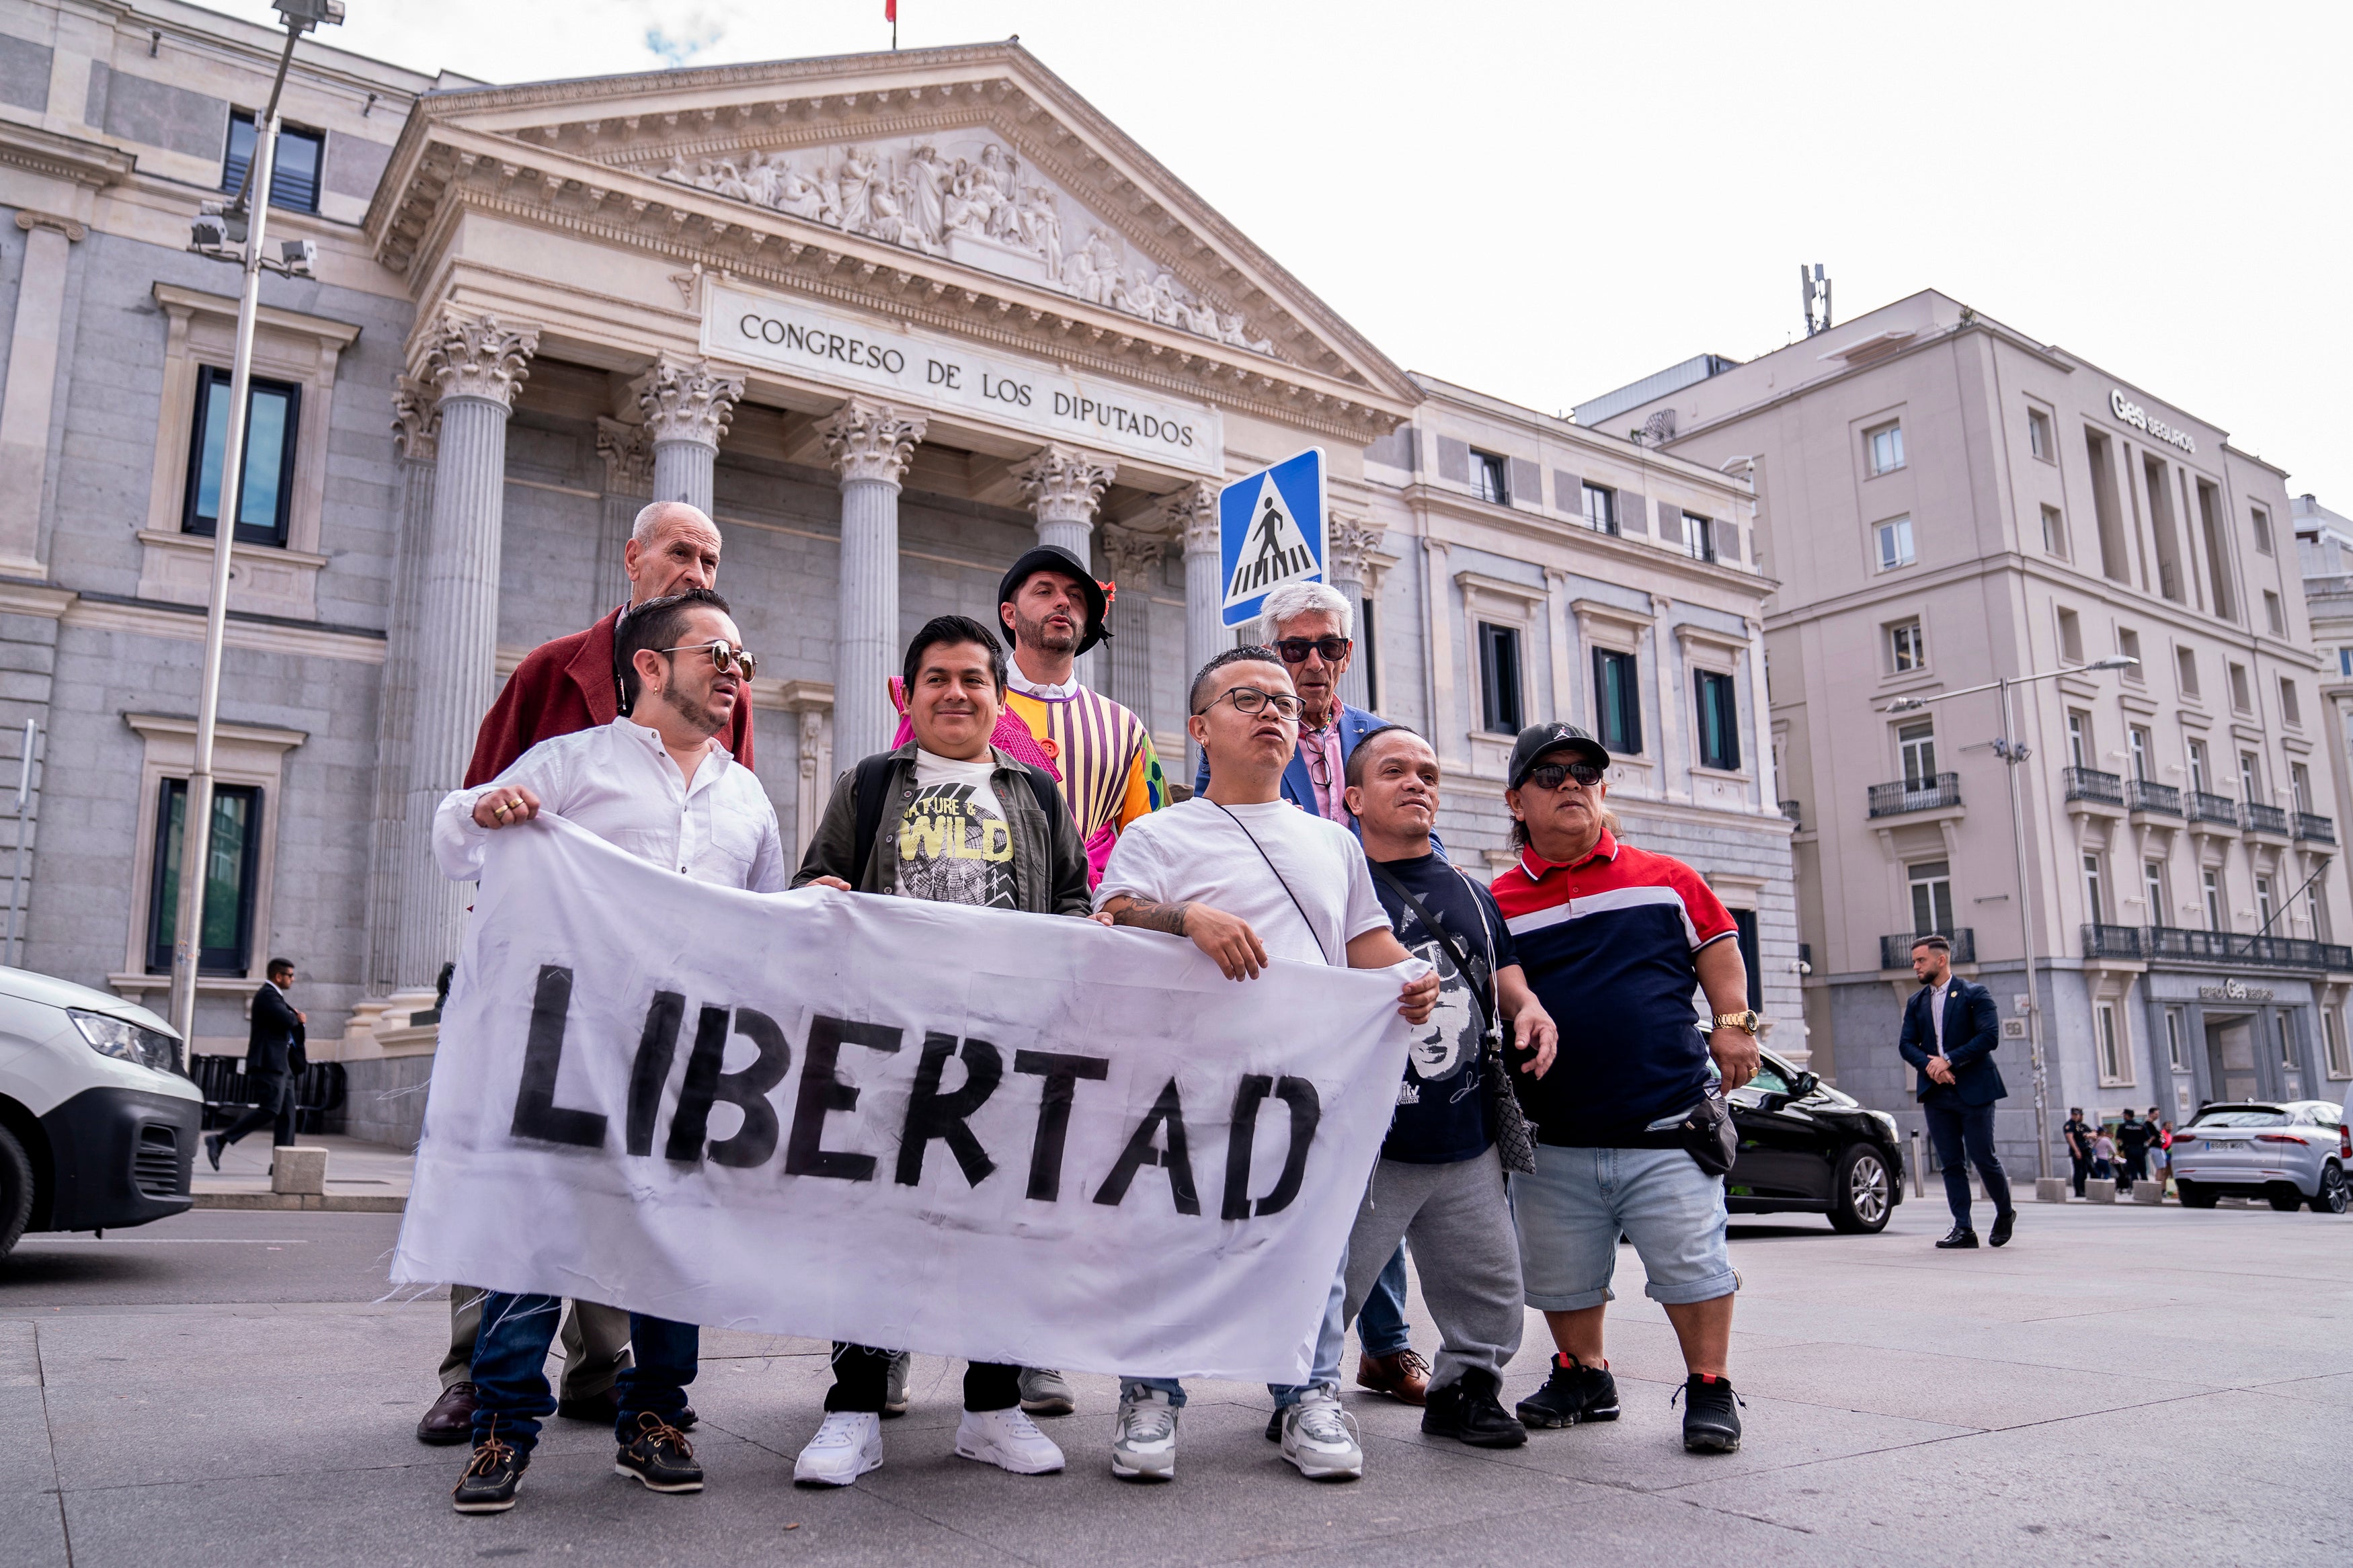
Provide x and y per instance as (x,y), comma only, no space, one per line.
(1805,1148)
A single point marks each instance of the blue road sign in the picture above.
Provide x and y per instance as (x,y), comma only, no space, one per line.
(1270,532)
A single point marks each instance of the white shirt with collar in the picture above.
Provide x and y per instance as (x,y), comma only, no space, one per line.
(618,782)
(1029,688)
(1937,1012)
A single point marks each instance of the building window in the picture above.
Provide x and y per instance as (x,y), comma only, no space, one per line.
(1699,536)
(274,411)
(2210,885)
(2240,698)
(1600,509)
(1894,538)
(2299,784)
(2345,661)
(2037,437)
(2112,1056)
(1618,702)
(2274,614)
(2080,748)
(2184,670)
(2251,772)
(2198,766)
(2128,644)
(1490,476)
(1719,720)
(2152,876)
(2071,636)
(2175,1057)
(2054,531)
(293,175)
(2291,709)
(1915,747)
(1499,678)
(2141,743)
(2263,904)
(1906,649)
(2092,901)
(2263,521)
(1932,897)
(2332,1039)
(2286,1043)
(227,925)
(1886,448)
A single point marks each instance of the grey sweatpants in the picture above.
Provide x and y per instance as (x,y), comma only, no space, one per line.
(596,1343)
(1465,1253)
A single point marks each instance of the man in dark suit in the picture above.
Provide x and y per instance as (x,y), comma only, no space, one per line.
(1950,1029)
(273,1060)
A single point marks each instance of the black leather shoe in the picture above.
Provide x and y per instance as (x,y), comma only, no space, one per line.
(213,1147)
(1711,1414)
(661,1457)
(1961,1236)
(2003,1225)
(490,1478)
(1468,1411)
(1574,1393)
(451,1421)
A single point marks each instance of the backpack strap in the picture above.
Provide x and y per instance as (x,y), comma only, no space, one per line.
(873,784)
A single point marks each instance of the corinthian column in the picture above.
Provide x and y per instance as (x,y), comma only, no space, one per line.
(687,404)
(1062,485)
(1134,560)
(1343,552)
(472,365)
(1192,514)
(870,444)
(415,430)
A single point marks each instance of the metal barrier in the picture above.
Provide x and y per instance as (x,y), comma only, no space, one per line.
(318,1093)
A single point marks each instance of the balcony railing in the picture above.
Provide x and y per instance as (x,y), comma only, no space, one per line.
(1915,795)
(2204,807)
(2234,947)
(2142,795)
(2319,829)
(2112,942)
(1896,952)
(2090,783)
(2269,819)
(1794,811)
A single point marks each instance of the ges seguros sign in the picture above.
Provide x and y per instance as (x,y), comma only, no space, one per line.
(2141,419)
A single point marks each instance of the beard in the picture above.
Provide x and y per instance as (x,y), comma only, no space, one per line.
(1046,637)
(695,710)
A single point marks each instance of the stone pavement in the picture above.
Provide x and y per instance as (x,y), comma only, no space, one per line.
(2119,1385)
(354,1169)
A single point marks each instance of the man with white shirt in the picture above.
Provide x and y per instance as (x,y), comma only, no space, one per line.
(1247,878)
(655,783)
(1950,1030)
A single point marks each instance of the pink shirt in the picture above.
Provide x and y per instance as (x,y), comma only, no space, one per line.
(1320,751)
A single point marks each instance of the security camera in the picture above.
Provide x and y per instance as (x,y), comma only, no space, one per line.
(302,15)
(296,257)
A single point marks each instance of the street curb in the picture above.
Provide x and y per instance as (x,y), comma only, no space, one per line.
(337,1203)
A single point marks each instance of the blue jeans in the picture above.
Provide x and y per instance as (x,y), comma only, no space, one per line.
(1380,1322)
(1963,1135)
(1571,1211)
(1329,1339)
(510,1392)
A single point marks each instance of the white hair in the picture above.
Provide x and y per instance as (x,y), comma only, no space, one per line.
(1293,600)
(651,517)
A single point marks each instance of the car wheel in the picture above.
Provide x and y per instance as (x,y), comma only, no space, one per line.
(1863,1194)
(2332,1197)
(15,1191)
(2193,1194)
(2284,1198)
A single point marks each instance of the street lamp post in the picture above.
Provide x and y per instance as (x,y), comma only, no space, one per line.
(231,232)
(2012,751)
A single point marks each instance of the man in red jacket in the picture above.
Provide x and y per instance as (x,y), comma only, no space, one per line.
(561,688)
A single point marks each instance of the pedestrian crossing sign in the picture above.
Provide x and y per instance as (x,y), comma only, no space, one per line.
(1271,531)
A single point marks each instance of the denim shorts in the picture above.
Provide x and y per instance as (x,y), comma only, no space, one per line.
(1569,1214)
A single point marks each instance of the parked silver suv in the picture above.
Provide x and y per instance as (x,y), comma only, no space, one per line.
(2294,1153)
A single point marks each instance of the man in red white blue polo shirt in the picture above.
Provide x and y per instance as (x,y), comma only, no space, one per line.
(1614,940)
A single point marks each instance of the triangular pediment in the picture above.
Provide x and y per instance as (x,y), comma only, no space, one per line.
(963,187)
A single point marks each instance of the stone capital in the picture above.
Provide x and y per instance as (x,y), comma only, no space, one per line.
(628,457)
(1351,541)
(1063,484)
(1192,514)
(871,440)
(29,220)
(478,356)
(1133,557)
(687,400)
(415,420)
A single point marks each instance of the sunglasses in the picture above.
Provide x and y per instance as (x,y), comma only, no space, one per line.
(1294,650)
(1550,775)
(1250,700)
(727,660)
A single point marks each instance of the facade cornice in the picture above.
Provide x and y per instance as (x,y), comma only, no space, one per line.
(92,164)
(1434,502)
(1444,396)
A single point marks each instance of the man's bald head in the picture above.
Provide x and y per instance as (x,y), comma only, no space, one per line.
(672,547)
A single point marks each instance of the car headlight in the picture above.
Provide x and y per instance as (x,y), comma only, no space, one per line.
(1887,1121)
(127,1041)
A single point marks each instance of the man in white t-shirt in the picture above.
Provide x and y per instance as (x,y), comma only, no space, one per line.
(1249,879)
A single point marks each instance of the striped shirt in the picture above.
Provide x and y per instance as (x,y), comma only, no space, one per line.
(1110,773)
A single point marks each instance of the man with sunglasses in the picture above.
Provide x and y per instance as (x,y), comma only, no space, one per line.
(1617,940)
(655,783)
(572,684)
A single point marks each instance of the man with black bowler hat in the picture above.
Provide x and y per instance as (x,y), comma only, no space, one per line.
(273,1060)
(1950,1030)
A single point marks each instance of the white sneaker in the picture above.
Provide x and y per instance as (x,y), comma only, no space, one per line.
(1144,1441)
(1321,1439)
(1045,1391)
(1008,1439)
(849,1444)
(894,1386)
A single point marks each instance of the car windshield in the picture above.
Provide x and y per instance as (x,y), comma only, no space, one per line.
(2245,1115)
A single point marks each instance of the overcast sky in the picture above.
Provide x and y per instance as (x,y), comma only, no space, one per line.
(1545,201)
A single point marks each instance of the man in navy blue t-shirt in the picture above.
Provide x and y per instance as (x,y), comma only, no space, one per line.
(1439,1182)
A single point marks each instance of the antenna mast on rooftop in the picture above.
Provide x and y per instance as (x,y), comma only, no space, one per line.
(1816,290)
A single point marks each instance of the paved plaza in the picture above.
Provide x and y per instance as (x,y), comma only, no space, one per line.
(2120,1385)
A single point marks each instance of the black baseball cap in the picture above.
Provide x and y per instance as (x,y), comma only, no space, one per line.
(1537,738)
(1054,558)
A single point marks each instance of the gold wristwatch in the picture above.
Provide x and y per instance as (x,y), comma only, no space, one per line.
(1752,1020)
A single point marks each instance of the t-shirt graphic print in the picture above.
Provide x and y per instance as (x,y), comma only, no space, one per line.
(955,845)
(1441,1107)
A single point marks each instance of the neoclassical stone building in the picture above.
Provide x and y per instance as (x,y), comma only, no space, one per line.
(890,318)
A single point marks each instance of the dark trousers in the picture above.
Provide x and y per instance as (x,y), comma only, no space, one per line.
(510,1393)
(274,1094)
(2083,1164)
(1965,1133)
(862,1374)
(2136,1164)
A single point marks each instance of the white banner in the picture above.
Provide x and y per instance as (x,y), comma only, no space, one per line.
(1007,1137)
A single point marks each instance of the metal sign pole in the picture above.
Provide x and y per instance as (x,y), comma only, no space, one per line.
(2013,755)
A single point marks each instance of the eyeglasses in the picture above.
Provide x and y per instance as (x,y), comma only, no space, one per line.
(1551,775)
(728,660)
(1250,700)
(1294,650)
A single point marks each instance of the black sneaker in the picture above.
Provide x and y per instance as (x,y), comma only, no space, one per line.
(1468,1411)
(1711,1414)
(661,1457)
(490,1478)
(1962,1236)
(2003,1225)
(1574,1393)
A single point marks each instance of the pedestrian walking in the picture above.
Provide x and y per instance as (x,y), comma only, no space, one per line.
(1247,878)
(2160,1152)
(1457,1127)
(655,783)
(2078,1133)
(950,817)
(576,683)
(1631,1139)
(274,1061)
(1950,1029)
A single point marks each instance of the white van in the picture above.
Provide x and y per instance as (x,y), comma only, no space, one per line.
(98,1119)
